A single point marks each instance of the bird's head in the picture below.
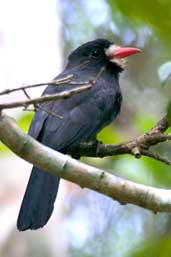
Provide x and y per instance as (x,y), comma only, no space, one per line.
(101,51)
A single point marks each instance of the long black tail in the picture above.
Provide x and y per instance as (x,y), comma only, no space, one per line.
(38,202)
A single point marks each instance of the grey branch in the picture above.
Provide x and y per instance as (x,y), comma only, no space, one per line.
(124,191)
(46,98)
(53,83)
(81,86)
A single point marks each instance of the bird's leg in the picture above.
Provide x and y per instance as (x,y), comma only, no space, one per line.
(91,145)
(95,143)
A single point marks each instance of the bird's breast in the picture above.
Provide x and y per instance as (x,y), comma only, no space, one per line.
(109,104)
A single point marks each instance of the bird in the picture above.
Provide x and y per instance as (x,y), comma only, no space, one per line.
(83,115)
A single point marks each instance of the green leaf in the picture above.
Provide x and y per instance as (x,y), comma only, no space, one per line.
(24,123)
(155,14)
(164,72)
(169,113)
(25,120)
(143,121)
(110,135)
(3,149)
(154,248)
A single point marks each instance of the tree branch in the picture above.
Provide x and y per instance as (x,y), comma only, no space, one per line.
(157,200)
(54,82)
(81,86)
(138,146)
(46,98)
(86,176)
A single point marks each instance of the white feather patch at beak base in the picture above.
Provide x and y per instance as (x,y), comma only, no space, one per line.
(110,50)
(117,54)
(109,53)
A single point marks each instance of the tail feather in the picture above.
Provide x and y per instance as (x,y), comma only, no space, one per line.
(38,202)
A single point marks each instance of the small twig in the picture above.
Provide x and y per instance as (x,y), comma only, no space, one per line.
(98,75)
(45,98)
(136,151)
(53,82)
(50,112)
(161,125)
(26,94)
(155,156)
(36,106)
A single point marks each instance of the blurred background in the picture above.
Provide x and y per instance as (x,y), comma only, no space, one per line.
(35,40)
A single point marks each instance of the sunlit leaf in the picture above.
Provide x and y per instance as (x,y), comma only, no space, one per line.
(153,248)
(164,72)
(110,135)
(169,113)
(24,121)
(144,122)
(3,149)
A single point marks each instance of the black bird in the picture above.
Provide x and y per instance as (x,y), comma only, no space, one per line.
(83,116)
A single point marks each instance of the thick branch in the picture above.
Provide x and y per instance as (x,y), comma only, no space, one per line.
(157,200)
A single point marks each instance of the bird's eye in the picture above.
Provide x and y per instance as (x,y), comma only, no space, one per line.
(96,53)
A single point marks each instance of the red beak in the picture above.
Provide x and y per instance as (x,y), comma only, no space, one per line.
(122,52)
(119,52)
